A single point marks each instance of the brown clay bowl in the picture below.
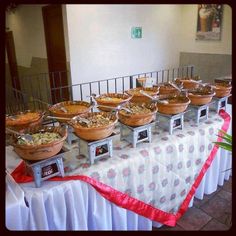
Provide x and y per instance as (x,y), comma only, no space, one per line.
(94,132)
(138,97)
(200,99)
(174,106)
(222,90)
(145,116)
(73,108)
(189,83)
(168,89)
(24,119)
(42,151)
(112,100)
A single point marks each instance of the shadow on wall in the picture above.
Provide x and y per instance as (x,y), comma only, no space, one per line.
(208,66)
(34,80)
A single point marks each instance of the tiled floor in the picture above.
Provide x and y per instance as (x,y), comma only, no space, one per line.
(213,212)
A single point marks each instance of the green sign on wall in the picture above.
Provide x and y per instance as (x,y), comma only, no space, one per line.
(136,32)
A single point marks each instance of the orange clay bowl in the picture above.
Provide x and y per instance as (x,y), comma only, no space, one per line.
(139,97)
(200,98)
(24,119)
(73,108)
(112,100)
(222,90)
(175,105)
(144,116)
(43,151)
(188,83)
(168,89)
(94,133)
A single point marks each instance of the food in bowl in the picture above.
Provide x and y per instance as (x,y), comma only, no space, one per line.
(44,145)
(222,89)
(138,114)
(225,81)
(201,96)
(138,97)
(109,99)
(70,109)
(94,126)
(97,120)
(167,88)
(24,119)
(112,100)
(40,138)
(189,82)
(173,105)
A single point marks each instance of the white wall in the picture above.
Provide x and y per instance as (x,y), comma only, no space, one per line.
(28,32)
(27,26)
(101,46)
(189,26)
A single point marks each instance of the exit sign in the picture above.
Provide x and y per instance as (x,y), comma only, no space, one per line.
(136,32)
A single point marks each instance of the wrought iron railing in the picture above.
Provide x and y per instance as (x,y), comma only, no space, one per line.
(40,90)
(19,101)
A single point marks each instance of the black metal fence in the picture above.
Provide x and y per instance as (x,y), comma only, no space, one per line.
(37,92)
(19,101)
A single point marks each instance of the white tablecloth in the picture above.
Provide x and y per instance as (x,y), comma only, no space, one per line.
(75,205)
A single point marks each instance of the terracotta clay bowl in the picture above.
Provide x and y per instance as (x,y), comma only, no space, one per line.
(142,114)
(166,88)
(69,109)
(222,90)
(174,106)
(138,97)
(24,119)
(36,152)
(199,99)
(112,100)
(101,125)
(189,83)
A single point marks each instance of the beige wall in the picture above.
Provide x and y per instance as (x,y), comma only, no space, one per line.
(28,32)
(188,32)
(212,59)
(101,46)
(27,26)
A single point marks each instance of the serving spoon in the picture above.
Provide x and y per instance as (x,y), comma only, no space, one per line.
(75,118)
(175,86)
(119,107)
(154,99)
(25,137)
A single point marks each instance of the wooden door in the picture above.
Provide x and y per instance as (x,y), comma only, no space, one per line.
(11,56)
(56,53)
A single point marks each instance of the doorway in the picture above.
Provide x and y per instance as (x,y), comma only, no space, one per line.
(56,53)
(11,56)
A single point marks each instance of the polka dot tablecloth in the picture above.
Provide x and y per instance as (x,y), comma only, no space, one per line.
(153,179)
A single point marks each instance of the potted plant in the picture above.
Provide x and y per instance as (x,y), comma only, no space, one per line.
(227,141)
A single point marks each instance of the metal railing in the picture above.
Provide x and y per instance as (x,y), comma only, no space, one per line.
(18,101)
(38,90)
(82,91)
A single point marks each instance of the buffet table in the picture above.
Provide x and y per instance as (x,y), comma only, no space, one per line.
(136,189)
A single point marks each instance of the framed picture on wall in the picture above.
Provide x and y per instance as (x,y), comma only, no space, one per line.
(209,21)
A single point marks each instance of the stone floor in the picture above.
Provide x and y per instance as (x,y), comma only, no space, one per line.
(213,212)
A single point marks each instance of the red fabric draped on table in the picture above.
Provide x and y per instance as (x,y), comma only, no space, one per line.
(128,202)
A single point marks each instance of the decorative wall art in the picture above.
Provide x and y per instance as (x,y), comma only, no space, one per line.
(209,21)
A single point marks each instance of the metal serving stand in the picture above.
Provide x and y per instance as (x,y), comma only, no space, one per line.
(170,122)
(198,113)
(94,150)
(219,103)
(71,139)
(135,135)
(45,169)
